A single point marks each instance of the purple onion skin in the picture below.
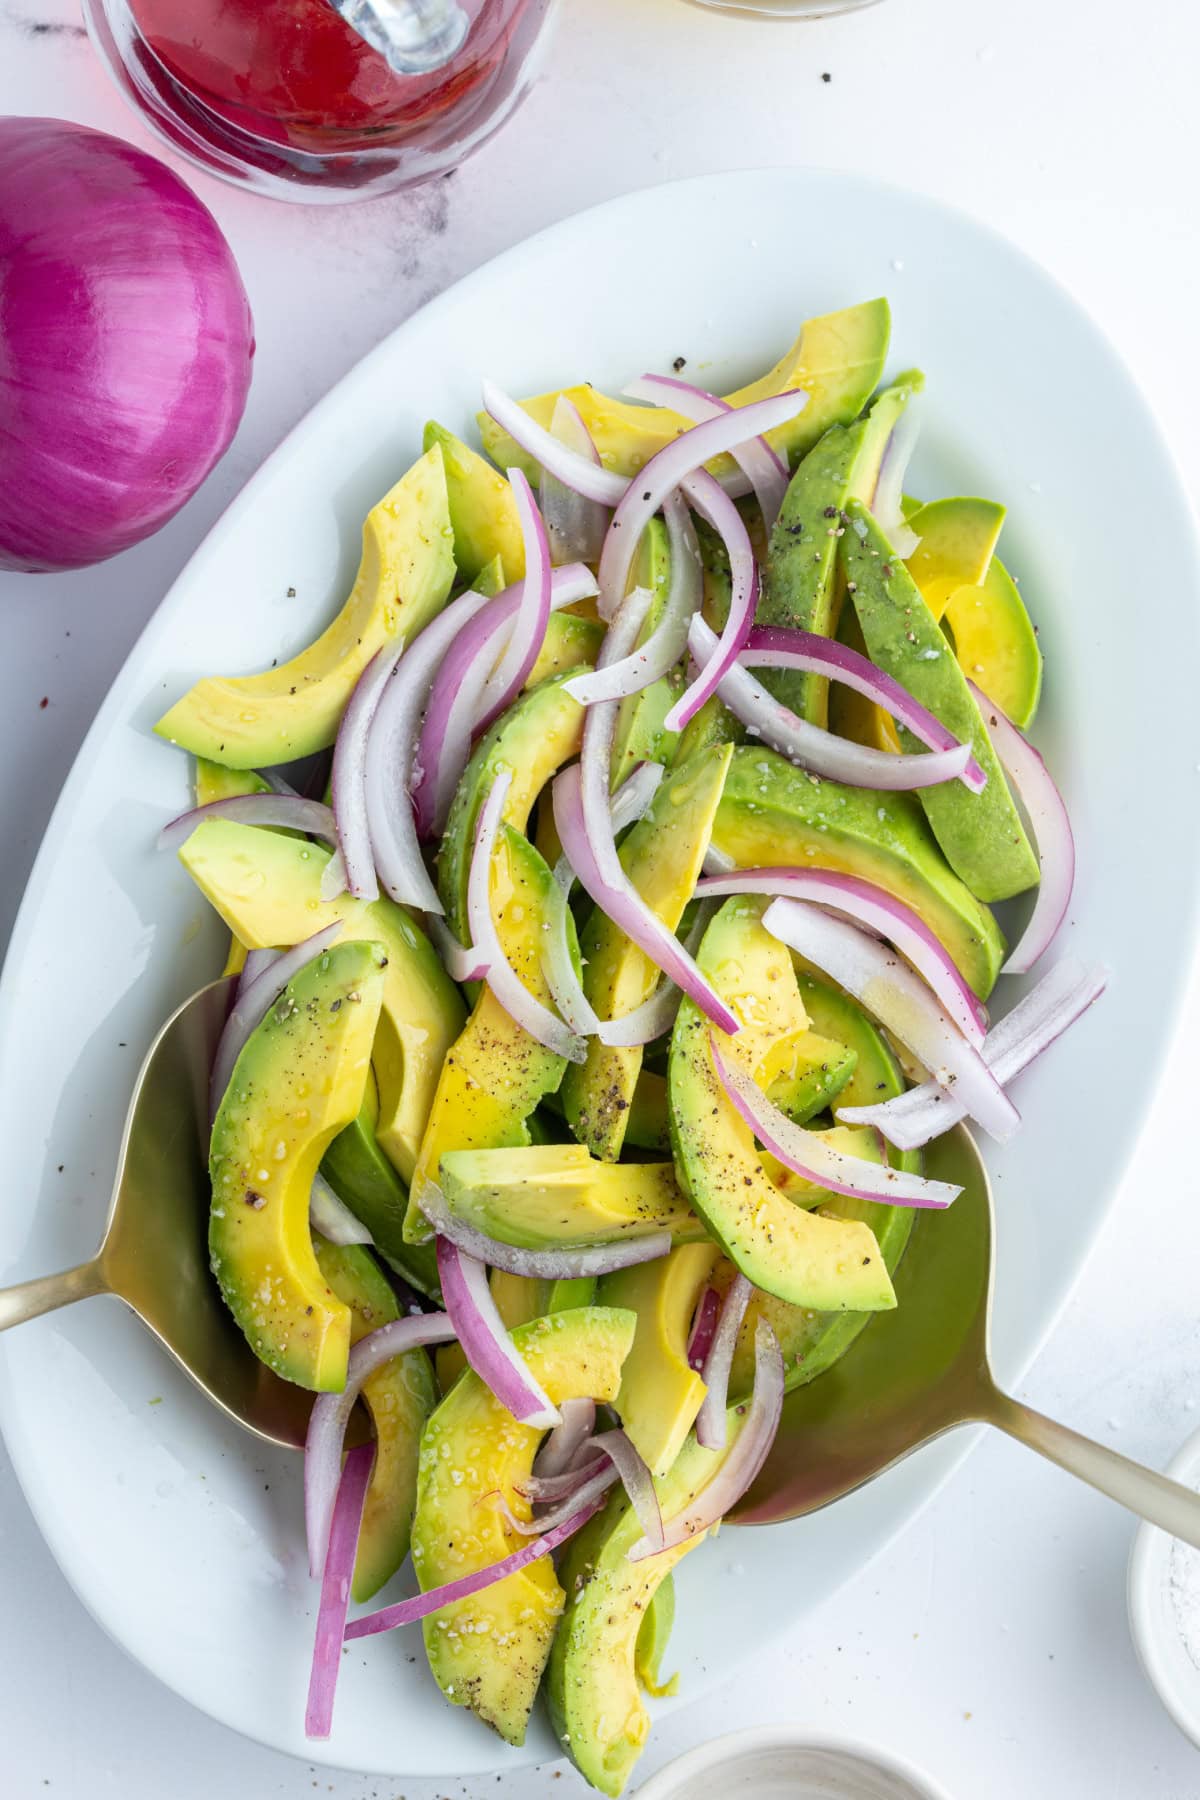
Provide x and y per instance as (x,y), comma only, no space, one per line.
(126,344)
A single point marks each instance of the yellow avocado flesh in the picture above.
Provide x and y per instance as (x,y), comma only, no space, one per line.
(494,1075)
(596,1707)
(547,1196)
(404,578)
(663,857)
(483,510)
(828,1264)
(297,1082)
(660,1392)
(266,887)
(837,360)
(996,644)
(399,1397)
(570,645)
(958,540)
(488,1652)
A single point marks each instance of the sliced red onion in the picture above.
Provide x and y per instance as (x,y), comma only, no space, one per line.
(576,471)
(717,863)
(618,1450)
(765,471)
(1055,842)
(461,961)
(899,999)
(544,1489)
(818,1162)
(591,1486)
(632,799)
(407,1612)
(522,1006)
(349,782)
(256,961)
(576,1426)
(252,1005)
(855,765)
(656,1015)
(725,518)
(741,1467)
(331,1415)
(887,504)
(335,1590)
(649,662)
(288,811)
(710,1420)
(575,526)
(877,910)
(486,1341)
(782,647)
(1063,995)
(558,965)
(528,632)
(703,1326)
(391,752)
(329,1215)
(680,464)
(455,698)
(542,1265)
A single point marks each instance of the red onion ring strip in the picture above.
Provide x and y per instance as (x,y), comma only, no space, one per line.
(527,1010)
(725,518)
(899,999)
(655,1016)
(329,1215)
(765,471)
(819,1162)
(348,782)
(528,632)
(407,1612)
(1055,842)
(573,1264)
(1062,996)
(617,1449)
(650,661)
(256,961)
(710,1420)
(575,526)
(577,472)
(743,1463)
(576,1426)
(485,1340)
(253,1004)
(838,759)
(889,485)
(462,963)
(877,910)
(287,811)
(331,1415)
(335,1590)
(703,1326)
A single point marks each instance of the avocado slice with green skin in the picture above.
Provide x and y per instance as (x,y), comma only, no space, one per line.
(828,1264)
(400,1397)
(837,359)
(800,581)
(774,814)
(640,734)
(660,1391)
(361,1175)
(494,1075)
(404,580)
(592,1685)
(297,1082)
(556,1196)
(267,888)
(714,724)
(648,1123)
(663,856)
(654,1634)
(981,835)
(812,1342)
(482,508)
(539,732)
(488,1652)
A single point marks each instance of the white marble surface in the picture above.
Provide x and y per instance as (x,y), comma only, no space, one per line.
(990,1644)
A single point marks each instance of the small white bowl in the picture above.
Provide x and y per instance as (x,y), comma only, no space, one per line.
(1153,1610)
(774,1763)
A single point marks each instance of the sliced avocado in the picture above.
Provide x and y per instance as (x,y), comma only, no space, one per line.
(570,644)
(212,782)
(812,1342)
(564,1296)
(555,1196)
(297,1082)
(772,813)
(267,888)
(400,1397)
(519,1298)
(660,1392)
(713,724)
(404,579)
(647,1123)
(663,856)
(488,1652)
(361,1175)
(654,1634)
(494,1075)
(981,835)
(483,511)
(828,1264)
(541,731)
(640,734)
(805,1073)
(996,643)
(957,542)
(837,359)
(800,585)
(592,1684)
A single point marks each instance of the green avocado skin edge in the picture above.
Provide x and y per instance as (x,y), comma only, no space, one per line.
(981,835)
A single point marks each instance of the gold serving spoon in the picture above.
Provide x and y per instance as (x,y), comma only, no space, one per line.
(924,1369)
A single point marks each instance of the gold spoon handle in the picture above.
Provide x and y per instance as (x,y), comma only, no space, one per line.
(1151,1496)
(28,1299)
